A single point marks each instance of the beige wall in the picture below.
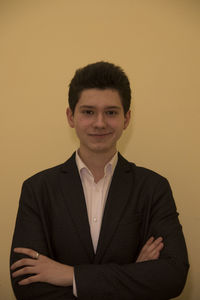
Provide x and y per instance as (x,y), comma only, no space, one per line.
(42,42)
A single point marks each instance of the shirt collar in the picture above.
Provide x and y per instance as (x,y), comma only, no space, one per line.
(108,169)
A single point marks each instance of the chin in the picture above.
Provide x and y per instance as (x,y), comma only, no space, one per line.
(98,149)
(101,149)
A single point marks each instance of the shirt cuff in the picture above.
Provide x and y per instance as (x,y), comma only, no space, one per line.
(74,287)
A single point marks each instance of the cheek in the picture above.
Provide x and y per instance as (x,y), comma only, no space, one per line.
(79,122)
(118,126)
(81,125)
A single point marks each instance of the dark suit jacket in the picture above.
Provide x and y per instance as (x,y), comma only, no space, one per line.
(52,219)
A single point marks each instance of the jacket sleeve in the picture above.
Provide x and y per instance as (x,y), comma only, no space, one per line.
(160,279)
(30,232)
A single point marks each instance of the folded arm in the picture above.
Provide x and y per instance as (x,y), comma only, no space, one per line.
(40,268)
(157,279)
(159,271)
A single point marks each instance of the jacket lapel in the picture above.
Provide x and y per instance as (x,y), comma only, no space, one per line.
(74,197)
(118,196)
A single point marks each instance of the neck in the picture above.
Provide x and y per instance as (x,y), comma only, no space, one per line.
(96,161)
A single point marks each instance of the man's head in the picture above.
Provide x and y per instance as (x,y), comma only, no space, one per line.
(100,75)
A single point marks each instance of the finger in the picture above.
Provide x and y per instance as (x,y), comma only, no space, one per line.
(155,253)
(150,248)
(31,279)
(23,262)
(24,271)
(156,244)
(27,251)
(147,244)
(158,240)
(160,246)
(153,245)
(149,241)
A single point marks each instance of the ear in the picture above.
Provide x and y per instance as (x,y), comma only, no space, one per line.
(127,119)
(70,117)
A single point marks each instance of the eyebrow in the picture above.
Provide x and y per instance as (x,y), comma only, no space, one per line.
(107,107)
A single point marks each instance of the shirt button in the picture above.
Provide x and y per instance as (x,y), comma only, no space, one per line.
(94,219)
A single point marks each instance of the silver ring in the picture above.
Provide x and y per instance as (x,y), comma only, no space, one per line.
(37,255)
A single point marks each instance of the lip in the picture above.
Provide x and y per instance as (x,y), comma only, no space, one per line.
(99,134)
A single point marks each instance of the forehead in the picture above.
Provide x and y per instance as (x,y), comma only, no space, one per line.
(100,98)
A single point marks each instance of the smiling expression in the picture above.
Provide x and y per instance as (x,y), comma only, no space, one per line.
(99,120)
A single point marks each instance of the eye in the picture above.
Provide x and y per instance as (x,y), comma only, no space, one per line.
(111,112)
(87,112)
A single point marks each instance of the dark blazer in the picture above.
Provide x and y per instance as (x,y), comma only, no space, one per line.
(52,219)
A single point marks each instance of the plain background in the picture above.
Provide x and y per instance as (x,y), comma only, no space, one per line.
(42,43)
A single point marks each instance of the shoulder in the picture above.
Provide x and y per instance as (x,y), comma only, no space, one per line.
(141,174)
(51,174)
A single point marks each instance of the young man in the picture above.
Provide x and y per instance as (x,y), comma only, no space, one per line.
(98,227)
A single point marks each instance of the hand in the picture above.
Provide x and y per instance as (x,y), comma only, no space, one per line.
(151,250)
(43,269)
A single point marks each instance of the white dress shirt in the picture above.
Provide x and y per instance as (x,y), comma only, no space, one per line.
(95,196)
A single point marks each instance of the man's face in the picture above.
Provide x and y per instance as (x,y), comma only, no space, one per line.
(99,120)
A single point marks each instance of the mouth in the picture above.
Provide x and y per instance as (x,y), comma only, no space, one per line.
(100,134)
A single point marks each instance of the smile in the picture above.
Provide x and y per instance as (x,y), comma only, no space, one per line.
(100,134)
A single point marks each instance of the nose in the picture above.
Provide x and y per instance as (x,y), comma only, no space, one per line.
(99,121)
